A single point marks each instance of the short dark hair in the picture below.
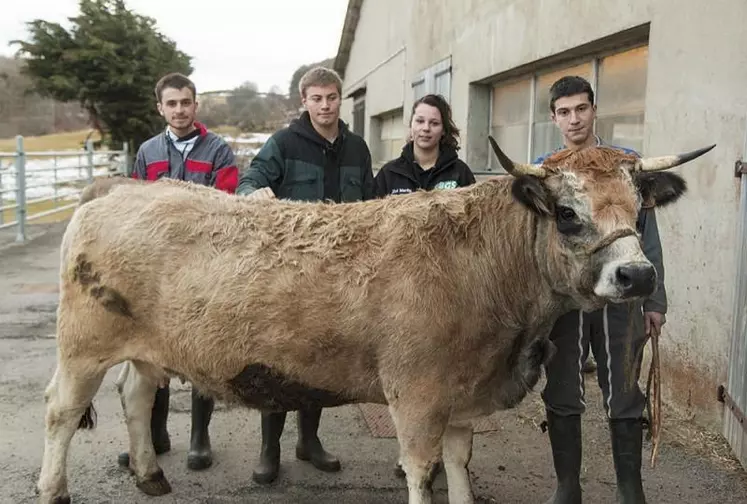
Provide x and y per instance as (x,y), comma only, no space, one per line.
(568,86)
(451,132)
(174,80)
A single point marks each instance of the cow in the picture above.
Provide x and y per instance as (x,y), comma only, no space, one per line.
(438,304)
(102,186)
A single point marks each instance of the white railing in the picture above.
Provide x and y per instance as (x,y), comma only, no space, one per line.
(50,181)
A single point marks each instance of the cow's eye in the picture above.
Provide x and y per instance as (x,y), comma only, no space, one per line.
(566,214)
(567,220)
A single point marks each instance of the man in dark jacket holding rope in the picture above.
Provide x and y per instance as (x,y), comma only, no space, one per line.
(617,335)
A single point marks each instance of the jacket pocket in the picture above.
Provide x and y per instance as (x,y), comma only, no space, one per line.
(198,172)
(302,184)
(352,184)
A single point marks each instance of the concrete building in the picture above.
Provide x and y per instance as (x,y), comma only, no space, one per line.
(670,76)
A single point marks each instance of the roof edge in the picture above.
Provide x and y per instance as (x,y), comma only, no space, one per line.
(348,35)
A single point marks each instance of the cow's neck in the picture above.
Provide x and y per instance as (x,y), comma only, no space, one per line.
(519,285)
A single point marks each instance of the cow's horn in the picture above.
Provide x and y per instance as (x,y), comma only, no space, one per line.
(516,169)
(652,164)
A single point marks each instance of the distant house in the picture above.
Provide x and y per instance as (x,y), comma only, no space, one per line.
(669,75)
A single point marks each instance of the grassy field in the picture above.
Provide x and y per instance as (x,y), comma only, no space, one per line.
(9,215)
(76,139)
(58,141)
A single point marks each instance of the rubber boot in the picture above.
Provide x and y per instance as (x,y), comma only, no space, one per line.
(268,466)
(158,421)
(627,443)
(200,455)
(309,448)
(565,440)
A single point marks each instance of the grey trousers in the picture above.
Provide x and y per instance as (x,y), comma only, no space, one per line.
(617,337)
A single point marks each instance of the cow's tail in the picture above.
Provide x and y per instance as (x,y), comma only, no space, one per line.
(88,419)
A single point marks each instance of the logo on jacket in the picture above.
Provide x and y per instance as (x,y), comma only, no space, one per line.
(401,190)
(446,184)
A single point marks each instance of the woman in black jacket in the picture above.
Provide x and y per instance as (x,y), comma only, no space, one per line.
(429,159)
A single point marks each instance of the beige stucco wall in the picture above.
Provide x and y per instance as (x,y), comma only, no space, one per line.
(378,60)
(696,95)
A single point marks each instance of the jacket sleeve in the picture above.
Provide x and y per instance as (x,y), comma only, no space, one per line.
(225,174)
(380,183)
(657,302)
(138,167)
(467,177)
(265,170)
(369,191)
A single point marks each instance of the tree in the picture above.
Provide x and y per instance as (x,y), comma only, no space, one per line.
(26,113)
(109,62)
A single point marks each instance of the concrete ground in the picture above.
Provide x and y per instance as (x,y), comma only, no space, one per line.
(510,465)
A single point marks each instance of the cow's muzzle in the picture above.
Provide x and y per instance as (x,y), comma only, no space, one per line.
(636,279)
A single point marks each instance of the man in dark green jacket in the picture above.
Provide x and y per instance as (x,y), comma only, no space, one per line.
(316,158)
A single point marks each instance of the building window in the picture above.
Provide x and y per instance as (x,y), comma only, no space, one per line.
(359,114)
(520,109)
(434,80)
(621,98)
(392,136)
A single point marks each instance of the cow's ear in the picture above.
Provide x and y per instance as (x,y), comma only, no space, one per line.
(660,188)
(531,192)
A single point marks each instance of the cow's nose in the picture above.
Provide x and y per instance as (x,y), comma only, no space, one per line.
(636,279)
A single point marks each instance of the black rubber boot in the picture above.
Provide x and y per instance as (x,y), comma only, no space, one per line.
(309,447)
(269,456)
(565,439)
(158,421)
(200,455)
(627,443)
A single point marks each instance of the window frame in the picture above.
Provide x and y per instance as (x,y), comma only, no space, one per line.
(594,60)
(429,76)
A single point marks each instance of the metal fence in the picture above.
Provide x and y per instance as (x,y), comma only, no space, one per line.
(34,185)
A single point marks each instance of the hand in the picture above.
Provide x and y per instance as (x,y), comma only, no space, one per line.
(263,193)
(653,321)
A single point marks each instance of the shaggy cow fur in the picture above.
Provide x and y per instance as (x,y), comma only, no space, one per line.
(438,303)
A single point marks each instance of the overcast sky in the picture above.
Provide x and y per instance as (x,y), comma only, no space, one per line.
(230,41)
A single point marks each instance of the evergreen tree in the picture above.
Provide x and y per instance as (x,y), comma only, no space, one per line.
(109,61)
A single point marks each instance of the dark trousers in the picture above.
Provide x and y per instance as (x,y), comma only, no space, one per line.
(618,350)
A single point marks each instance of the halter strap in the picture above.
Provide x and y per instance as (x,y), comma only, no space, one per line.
(609,239)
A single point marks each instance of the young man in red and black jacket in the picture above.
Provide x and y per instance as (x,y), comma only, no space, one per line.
(185,150)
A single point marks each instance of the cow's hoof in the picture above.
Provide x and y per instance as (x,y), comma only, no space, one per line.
(155,485)
(65,499)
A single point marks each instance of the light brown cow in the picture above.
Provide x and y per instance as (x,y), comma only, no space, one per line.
(438,303)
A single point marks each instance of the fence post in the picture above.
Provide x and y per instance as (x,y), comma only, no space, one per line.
(126,156)
(20,189)
(89,155)
(2,212)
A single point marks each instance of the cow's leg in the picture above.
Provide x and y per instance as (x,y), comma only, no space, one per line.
(420,433)
(68,397)
(137,392)
(457,452)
